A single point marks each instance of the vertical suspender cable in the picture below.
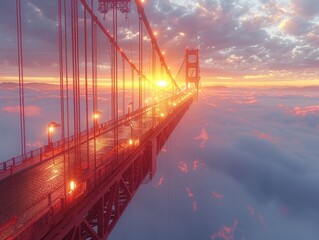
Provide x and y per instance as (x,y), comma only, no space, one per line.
(61,68)
(116,85)
(73,82)
(75,73)
(78,93)
(153,69)
(94,92)
(86,91)
(60,30)
(123,68)
(115,80)
(67,80)
(133,86)
(21,78)
(140,57)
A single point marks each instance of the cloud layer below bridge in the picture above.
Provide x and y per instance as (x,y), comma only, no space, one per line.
(242,164)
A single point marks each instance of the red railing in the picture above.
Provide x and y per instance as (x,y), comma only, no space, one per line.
(33,157)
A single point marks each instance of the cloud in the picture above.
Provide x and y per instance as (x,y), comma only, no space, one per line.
(268,164)
(266,136)
(202,136)
(295,26)
(226,232)
(189,192)
(164,150)
(308,110)
(195,164)
(30,111)
(195,206)
(273,177)
(255,215)
(272,155)
(247,100)
(306,8)
(160,182)
(284,211)
(183,167)
(218,196)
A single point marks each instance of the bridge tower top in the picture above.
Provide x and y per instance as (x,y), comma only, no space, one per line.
(192,67)
(106,5)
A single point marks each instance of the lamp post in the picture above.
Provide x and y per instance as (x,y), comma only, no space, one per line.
(129,108)
(130,124)
(51,127)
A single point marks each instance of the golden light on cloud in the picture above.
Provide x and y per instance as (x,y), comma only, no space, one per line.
(283,24)
(256,76)
(225,78)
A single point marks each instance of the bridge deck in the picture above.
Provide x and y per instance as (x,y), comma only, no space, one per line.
(35,189)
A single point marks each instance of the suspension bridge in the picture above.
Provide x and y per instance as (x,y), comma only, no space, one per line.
(78,186)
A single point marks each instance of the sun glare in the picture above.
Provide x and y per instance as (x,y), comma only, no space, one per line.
(162,83)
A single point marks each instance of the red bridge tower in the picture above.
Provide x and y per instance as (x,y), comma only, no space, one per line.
(192,67)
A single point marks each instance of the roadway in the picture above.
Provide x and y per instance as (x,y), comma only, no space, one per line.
(30,192)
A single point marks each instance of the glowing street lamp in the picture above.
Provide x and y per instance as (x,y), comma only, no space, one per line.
(96,117)
(72,185)
(51,127)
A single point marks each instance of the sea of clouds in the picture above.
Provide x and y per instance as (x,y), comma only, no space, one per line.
(242,164)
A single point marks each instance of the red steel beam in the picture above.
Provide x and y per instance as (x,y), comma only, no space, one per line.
(140,10)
